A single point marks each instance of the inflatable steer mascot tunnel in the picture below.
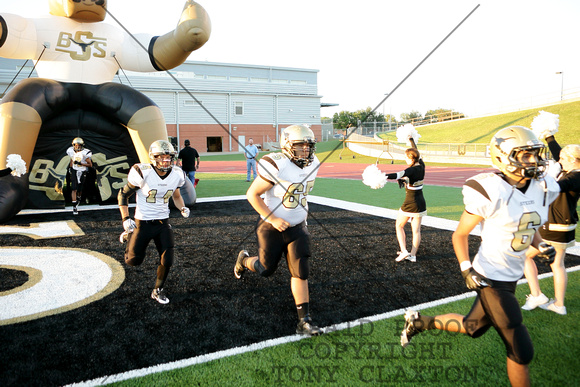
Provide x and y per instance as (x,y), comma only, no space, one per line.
(77,56)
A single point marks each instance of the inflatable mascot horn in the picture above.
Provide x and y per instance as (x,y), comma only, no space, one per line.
(77,56)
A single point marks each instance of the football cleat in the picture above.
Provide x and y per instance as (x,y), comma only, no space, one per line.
(159,296)
(305,327)
(239,268)
(75,210)
(533,302)
(409,330)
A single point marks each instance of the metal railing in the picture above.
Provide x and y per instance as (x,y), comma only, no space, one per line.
(462,153)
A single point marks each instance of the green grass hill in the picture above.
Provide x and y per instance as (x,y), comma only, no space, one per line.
(481,129)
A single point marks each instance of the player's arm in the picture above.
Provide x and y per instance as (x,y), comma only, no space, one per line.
(460,240)
(89,162)
(259,187)
(123,199)
(460,237)
(180,203)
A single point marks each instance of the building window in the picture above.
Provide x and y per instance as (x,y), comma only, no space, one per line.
(191,102)
(218,77)
(239,108)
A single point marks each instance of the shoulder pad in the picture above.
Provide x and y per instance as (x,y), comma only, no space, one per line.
(482,176)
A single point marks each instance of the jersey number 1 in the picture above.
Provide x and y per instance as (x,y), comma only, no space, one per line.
(152,196)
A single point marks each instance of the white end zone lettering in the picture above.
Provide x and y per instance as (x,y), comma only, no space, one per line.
(45,230)
(90,276)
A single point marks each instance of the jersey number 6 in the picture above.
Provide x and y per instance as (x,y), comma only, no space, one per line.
(292,196)
(525,234)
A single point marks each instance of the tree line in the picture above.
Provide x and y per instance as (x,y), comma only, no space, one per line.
(344,119)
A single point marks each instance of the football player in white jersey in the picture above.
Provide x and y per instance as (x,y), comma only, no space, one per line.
(510,205)
(80,162)
(285,179)
(154,184)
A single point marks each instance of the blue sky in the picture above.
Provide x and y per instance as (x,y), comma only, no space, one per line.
(506,54)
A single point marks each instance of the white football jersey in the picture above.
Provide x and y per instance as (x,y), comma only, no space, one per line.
(155,191)
(80,156)
(287,198)
(511,219)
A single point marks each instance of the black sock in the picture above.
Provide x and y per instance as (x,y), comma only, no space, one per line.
(162,272)
(302,310)
(74,204)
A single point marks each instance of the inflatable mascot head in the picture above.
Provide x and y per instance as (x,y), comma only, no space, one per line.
(86,10)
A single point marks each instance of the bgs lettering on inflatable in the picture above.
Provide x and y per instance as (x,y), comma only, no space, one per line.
(76,57)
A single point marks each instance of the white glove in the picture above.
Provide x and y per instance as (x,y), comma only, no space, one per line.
(129,225)
(185,212)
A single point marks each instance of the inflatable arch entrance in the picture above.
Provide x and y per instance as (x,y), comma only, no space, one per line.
(77,56)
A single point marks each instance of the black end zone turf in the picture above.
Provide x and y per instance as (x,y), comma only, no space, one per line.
(353,275)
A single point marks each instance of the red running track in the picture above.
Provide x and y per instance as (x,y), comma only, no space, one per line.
(443,176)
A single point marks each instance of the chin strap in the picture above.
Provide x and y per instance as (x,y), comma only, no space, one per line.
(545,186)
(514,188)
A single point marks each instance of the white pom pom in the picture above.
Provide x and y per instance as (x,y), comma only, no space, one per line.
(405,132)
(545,124)
(373,177)
(17,165)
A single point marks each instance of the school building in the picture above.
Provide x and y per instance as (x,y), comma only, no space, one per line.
(218,106)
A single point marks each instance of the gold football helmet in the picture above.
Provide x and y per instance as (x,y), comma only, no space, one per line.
(508,143)
(293,141)
(157,150)
(78,144)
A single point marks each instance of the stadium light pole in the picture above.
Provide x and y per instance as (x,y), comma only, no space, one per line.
(562,87)
(386,94)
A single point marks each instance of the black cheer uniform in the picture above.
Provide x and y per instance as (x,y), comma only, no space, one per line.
(412,177)
(562,219)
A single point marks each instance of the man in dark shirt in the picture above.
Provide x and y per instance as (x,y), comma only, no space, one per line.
(189,159)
